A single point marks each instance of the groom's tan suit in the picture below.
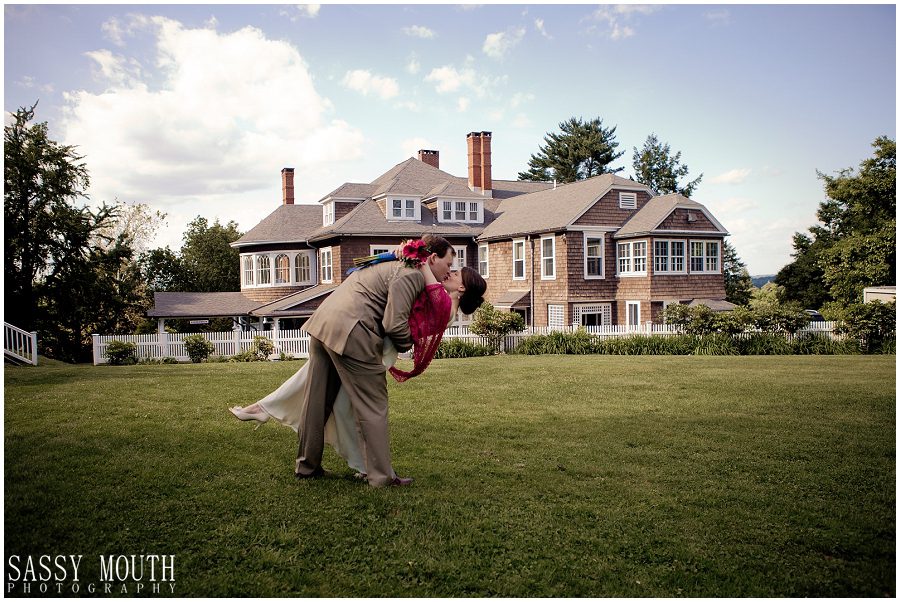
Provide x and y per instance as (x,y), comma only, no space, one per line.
(345,350)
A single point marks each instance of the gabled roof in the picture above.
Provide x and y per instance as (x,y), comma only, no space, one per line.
(284,305)
(553,209)
(288,223)
(657,209)
(368,219)
(414,177)
(351,190)
(200,305)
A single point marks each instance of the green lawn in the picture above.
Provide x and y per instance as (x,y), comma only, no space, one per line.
(535,476)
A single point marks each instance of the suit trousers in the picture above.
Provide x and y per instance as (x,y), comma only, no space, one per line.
(366,386)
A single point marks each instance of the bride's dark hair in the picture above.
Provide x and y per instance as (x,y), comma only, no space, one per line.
(475,285)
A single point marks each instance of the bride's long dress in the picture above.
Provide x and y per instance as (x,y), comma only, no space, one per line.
(285,404)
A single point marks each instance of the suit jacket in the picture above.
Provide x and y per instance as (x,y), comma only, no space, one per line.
(369,305)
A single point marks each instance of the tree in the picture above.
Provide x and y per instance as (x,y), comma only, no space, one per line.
(582,149)
(210,263)
(42,181)
(655,166)
(738,284)
(162,270)
(854,245)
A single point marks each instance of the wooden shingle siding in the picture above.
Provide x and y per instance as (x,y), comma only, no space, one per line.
(342,209)
(606,211)
(269,294)
(678,220)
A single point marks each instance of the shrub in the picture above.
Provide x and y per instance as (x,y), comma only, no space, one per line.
(494,324)
(789,318)
(455,348)
(763,343)
(285,357)
(809,343)
(872,324)
(158,360)
(198,348)
(259,351)
(121,353)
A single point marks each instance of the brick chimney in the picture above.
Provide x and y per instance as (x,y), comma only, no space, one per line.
(431,157)
(287,186)
(479,147)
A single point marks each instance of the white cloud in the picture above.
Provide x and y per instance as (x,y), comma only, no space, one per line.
(734,176)
(462,104)
(411,146)
(614,21)
(209,132)
(539,25)
(409,105)
(718,17)
(419,31)
(364,82)
(449,79)
(28,82)
(497,45)
(115,70)
(301,11)
(518,98)
(412,65)
(112,30)
(521,121)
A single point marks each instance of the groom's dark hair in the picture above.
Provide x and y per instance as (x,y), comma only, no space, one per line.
(438,245)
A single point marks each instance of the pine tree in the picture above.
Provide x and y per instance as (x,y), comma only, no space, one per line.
(655,166)
(581,149)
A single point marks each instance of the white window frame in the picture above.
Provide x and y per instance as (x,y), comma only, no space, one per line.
(376,249)
(308,268)
(556,316)
(405,202)
(552,274)
(631,258)
(604,310)
(602,237)
(449,206)
(286,281)
(628,306)
(706,256)
(328,213)
(249,270)
(485,270)
(670,256)
(524,260)
(627,200)
(326,257)
(260,270)
(459,260)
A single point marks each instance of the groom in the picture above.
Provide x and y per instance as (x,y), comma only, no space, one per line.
(345,350)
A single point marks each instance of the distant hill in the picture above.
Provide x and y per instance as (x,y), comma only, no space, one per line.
(759,281)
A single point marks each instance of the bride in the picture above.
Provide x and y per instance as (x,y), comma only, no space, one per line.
(429,317)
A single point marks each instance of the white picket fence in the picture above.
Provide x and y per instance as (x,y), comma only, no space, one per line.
(20,344)
(295,343)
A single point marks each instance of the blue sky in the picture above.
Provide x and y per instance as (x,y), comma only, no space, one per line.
(195,109)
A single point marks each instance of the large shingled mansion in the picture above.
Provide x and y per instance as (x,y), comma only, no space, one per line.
(601,251)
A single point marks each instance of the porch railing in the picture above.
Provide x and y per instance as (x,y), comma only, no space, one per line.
(20,344)
(295,343)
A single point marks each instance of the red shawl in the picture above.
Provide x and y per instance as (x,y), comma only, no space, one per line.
(428,318)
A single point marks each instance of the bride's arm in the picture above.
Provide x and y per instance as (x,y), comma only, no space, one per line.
(429,275)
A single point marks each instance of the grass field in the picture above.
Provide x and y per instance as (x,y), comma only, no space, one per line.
(535,476)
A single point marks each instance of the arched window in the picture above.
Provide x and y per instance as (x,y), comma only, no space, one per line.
(263,270)
(248,270)
(301,267)
(282,269)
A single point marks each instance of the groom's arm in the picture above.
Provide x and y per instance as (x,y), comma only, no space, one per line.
(401,295)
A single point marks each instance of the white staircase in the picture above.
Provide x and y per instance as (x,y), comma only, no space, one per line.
(19,346)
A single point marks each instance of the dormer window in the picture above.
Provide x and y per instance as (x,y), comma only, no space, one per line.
(627,200)
(328,213)
(403,208)
(461,211)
